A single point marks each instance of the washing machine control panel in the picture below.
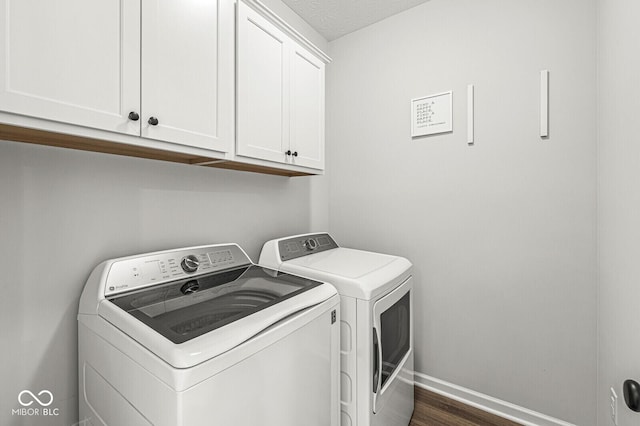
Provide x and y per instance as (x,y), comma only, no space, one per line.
(156,268)
(304,245)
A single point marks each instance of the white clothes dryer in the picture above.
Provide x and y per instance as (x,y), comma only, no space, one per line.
(201,336)
(376,331)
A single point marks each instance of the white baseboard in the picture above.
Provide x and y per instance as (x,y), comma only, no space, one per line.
(487,403)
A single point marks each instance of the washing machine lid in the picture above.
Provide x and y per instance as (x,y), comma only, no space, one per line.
(189,321)
(355,273)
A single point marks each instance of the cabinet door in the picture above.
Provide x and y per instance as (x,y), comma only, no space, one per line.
(263,88)
(73,61)
(307,109)
(188,72)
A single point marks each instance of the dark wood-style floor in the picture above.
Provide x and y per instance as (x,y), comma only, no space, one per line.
(432,409)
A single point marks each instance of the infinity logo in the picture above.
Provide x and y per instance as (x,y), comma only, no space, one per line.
(44,404)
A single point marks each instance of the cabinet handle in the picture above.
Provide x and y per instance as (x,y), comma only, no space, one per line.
(288,152)
(632,394)
(295,153)
(153,121)
(133,116)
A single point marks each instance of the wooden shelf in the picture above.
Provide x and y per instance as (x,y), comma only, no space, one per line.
(43,137)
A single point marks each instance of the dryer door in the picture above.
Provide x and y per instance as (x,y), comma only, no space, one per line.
(392,340)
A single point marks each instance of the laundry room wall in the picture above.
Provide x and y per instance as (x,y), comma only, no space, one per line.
(618,204)
(502,233)
(63,212)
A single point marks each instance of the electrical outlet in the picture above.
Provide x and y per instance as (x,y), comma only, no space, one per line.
(613,399)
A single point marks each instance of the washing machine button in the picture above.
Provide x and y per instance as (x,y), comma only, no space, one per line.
(190,263)
(311,244)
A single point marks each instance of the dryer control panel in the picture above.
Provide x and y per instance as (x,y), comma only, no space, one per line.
(155,268)
(303,245)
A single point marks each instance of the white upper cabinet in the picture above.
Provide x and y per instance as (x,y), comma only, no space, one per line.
(280,94)
(207,82)
(263,70)
(188,72)
(73,61)
(307,109)
(113,65)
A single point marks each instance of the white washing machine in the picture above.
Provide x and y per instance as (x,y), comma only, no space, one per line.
(201,336)
(376,330)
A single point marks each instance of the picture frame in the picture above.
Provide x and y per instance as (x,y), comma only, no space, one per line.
(432,114)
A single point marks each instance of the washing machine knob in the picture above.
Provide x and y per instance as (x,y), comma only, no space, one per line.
(310,244)
(190,263)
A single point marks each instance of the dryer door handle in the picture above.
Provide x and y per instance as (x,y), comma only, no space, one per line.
(377,361)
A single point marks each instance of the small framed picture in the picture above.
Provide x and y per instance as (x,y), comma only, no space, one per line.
(432,114)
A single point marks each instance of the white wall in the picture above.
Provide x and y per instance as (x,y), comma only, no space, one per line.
(502,234)
(618,203)
(65,211)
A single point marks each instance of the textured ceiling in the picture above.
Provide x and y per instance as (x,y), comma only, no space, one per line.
(335,18)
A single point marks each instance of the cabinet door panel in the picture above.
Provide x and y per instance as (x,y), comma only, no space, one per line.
(307,109)
(188,72)
(263,75)
(73,61)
